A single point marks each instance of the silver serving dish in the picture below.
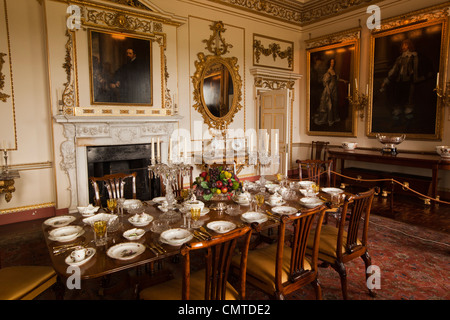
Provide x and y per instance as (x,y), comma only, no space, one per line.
(390,142)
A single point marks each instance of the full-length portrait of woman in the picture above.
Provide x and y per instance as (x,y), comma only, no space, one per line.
(328,112)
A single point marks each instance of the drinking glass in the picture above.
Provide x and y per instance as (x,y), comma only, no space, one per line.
(259,197)
(100,233)
(112,204)
(120,203)
(185,194)
(195,215)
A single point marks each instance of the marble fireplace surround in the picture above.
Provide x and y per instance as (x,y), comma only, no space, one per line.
(81,132)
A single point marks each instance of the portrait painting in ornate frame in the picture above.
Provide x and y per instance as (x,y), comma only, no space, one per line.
(408,60)
(332,71)
(120,69)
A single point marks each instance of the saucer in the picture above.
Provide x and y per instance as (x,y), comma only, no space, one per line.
(89,254)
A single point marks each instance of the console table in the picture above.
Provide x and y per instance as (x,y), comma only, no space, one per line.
(432,162)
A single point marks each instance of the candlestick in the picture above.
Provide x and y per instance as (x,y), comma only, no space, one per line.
(356,84)
(437,81)
(170,149)
(153,150)
(267,142)
(286,159)
(158,150)
(276,147)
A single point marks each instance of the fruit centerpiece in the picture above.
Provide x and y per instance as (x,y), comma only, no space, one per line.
(216,181)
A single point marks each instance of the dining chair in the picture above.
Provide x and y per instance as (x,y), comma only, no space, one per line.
(318,171)
(282,267)
(211,281)
(115,184)
(339,245)
(319,150)
(25,282)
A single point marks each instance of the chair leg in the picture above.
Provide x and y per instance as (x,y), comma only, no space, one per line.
(368,262)
(340,268)
(317,289)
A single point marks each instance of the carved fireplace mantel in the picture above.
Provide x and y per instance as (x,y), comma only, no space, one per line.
(81,132)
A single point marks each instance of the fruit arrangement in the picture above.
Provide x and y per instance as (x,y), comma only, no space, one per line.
(216,181)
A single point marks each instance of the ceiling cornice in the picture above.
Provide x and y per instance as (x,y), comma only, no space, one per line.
(297,12)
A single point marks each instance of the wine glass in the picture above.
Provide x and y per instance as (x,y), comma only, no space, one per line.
(112,204)
(259,197)
(195,215)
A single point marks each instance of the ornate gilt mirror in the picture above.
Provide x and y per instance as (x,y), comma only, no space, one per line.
(217,83)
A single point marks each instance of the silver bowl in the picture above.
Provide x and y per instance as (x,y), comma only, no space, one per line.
(443,151)
(390,142)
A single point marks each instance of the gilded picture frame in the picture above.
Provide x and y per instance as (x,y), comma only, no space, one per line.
(408,61)
(332,71)
(79,98)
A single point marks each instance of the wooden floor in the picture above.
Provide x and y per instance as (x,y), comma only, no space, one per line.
(413,210)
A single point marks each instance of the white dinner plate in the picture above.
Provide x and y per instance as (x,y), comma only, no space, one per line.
(221,226)
(89,254)
(59,221)
(310,202)
(65,234)
(332,190)
(253,216)
(284,210)
(125,250)
(176,236)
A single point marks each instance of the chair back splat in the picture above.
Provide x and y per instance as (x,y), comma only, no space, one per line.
(280,269)
(318,171)
(319,150)
(211,281)
(115,184)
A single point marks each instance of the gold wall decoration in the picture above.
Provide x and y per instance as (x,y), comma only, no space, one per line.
(275,49)
(3,96)
(217,83)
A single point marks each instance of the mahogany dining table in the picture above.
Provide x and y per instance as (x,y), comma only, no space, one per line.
(101,264)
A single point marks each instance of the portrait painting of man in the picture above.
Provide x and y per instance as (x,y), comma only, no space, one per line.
(405,66)
(120,69)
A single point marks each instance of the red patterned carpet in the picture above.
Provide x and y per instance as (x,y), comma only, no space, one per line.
(414,264)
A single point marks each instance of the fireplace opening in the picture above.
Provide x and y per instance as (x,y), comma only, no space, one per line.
(103,160)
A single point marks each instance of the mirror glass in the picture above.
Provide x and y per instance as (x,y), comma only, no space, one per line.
(217,89)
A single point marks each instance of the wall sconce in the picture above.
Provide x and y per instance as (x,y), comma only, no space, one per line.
(359,102)
(7,179)
(444,95)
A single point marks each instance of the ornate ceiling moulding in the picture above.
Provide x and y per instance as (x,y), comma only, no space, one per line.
(294,12)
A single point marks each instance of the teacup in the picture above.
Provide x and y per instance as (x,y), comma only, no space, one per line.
(349,145)
(78,255)
(242,197)
(273,199)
